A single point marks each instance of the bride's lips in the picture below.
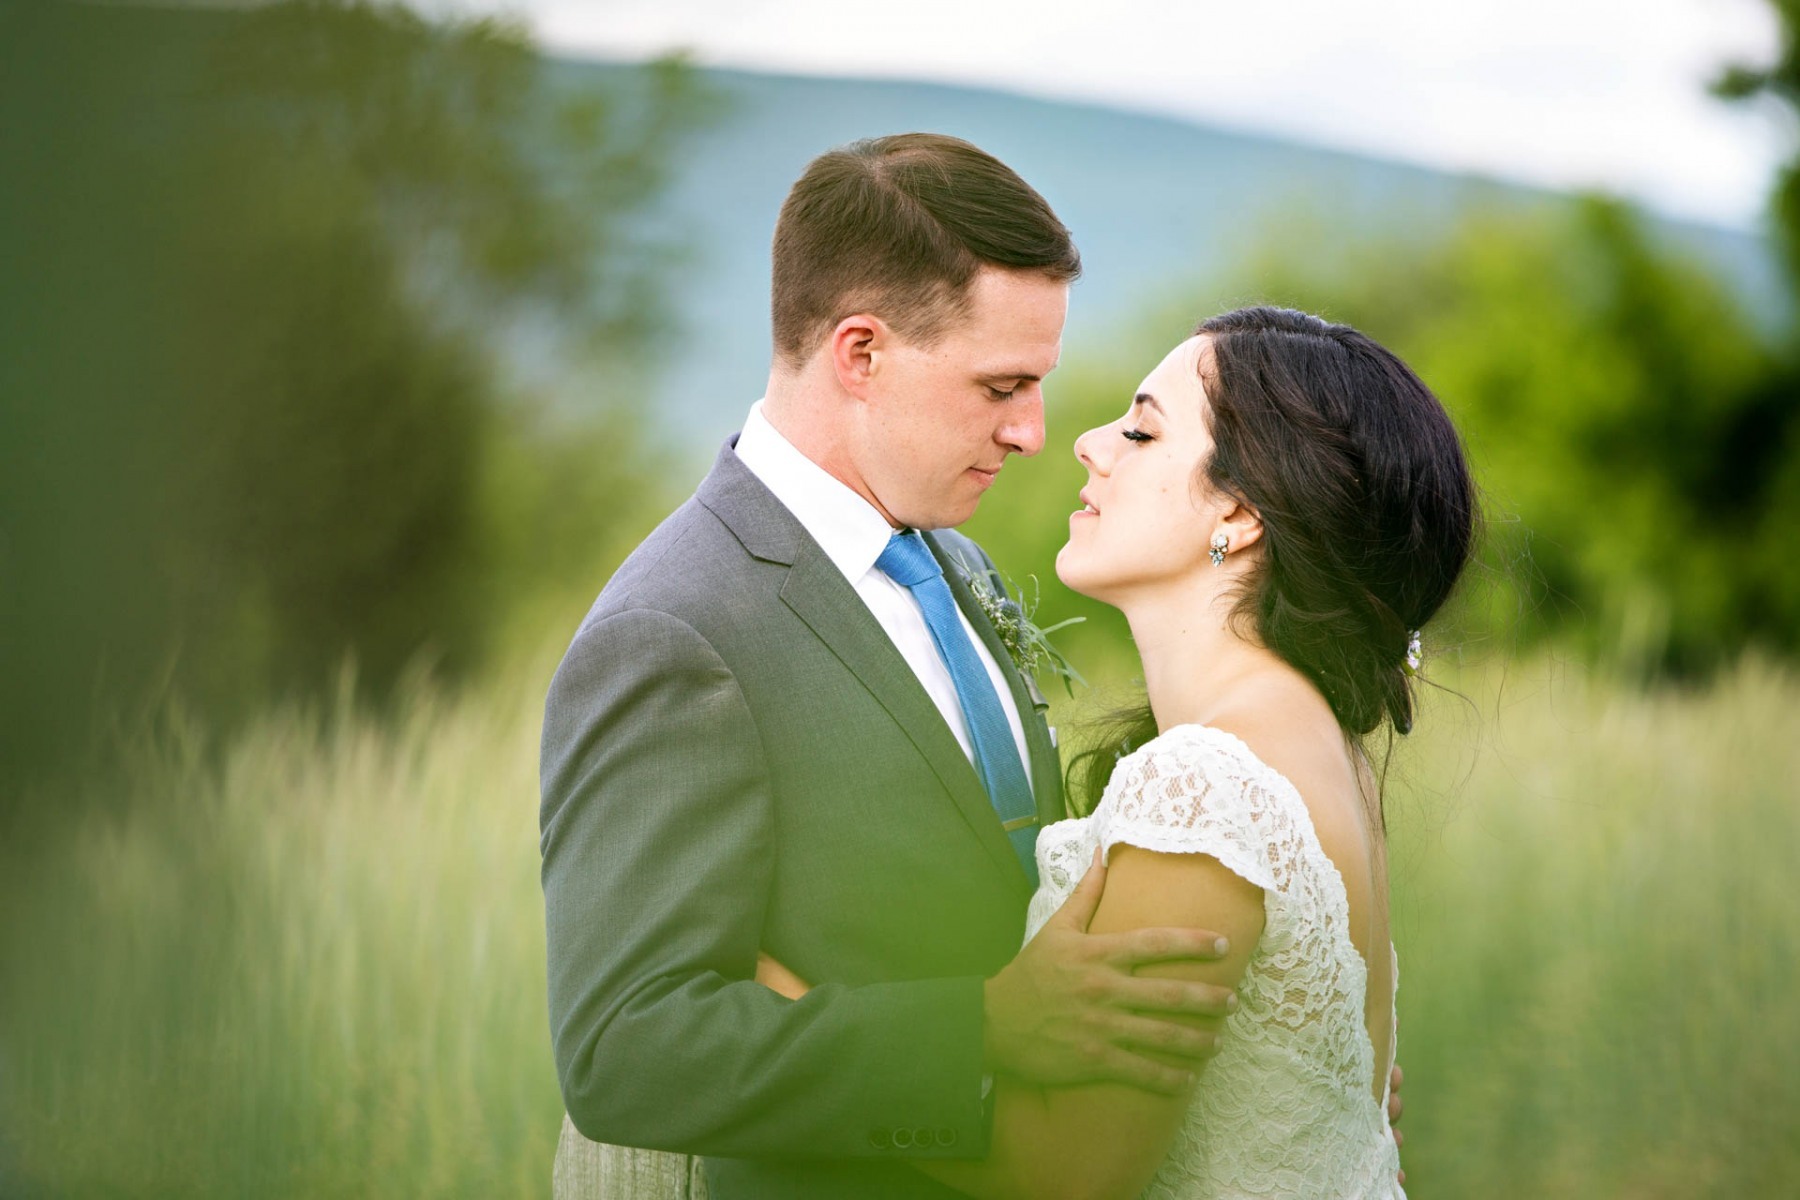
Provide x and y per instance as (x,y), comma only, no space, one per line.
(1087,509)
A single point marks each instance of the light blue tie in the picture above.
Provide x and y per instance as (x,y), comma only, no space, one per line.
(908,561)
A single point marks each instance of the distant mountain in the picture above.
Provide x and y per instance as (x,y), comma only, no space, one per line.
(1155,204)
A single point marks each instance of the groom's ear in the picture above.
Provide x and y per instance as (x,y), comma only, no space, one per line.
(855,344)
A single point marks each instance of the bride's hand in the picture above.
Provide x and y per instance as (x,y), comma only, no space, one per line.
(776,977)
(1395,1108)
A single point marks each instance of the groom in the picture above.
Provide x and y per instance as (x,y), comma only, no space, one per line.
(787,727)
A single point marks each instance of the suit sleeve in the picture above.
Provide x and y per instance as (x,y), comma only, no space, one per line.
(658,853)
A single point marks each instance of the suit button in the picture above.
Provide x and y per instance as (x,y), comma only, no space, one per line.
(946,1137)
(903,1139)
(922,1138)
(878,1138)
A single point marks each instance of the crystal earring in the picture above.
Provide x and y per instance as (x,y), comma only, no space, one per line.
(1221,546)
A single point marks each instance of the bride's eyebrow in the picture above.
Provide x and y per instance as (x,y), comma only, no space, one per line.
(1145,398)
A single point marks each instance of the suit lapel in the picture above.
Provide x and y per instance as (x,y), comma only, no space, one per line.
(817,592)
(819,595)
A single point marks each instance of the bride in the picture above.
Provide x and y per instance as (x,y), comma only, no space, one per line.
(1282,503)
(1280,507)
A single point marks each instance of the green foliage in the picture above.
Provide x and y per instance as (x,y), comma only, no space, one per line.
(1607,393)
(1010,607)
(309,962)
(1777,436)
(1780,82)
(281,306)
(1636,443)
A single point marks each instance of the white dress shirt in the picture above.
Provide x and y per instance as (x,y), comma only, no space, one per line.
(853,535)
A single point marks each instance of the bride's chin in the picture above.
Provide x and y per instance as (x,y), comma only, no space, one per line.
(1069,572)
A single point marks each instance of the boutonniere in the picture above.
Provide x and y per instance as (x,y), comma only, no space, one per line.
(1027,644)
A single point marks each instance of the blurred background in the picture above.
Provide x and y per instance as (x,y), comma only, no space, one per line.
(346,348)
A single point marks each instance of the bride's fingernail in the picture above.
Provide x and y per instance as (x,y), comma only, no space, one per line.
(1221,946)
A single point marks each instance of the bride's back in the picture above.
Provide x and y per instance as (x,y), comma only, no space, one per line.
(1291,728)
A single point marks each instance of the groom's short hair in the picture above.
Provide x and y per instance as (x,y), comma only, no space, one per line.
(898,226)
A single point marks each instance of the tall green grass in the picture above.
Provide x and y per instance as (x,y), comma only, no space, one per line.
(310,962)
(1595,906)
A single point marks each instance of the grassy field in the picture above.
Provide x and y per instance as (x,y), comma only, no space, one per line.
(309,963)
(1600,939)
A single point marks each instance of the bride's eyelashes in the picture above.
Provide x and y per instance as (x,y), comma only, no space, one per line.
(1136,435)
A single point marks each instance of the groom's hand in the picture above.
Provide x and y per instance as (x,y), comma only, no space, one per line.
(1069,1009)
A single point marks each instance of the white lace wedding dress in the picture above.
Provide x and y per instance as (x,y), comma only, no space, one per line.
(1285,1108)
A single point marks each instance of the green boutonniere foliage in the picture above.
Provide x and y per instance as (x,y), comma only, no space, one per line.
(1028,645)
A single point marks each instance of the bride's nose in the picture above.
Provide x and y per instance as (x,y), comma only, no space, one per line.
(1086,446)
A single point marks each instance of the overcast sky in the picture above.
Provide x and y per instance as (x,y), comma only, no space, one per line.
(1567,93)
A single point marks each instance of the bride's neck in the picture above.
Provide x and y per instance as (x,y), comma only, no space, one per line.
(1193,660)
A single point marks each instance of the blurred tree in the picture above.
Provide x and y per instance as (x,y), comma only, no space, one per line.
(1778,82)
(279,284)
(1775,435)
(1632,434)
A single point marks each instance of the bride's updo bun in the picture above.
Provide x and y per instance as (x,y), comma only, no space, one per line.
(1367,505)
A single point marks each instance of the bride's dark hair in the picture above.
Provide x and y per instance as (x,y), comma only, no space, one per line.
(1367,506)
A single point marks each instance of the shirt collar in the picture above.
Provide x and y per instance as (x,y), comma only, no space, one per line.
(846,526)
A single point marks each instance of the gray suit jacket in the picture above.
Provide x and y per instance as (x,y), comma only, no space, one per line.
(736,757)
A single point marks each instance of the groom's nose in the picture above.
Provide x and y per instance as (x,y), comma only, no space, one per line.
(1023,428)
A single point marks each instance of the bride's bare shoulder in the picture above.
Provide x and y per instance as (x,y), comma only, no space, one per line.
(1293,731)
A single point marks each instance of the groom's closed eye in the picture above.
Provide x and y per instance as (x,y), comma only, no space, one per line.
(1008,381)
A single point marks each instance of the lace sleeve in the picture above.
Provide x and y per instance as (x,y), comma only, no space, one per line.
(1197,790)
